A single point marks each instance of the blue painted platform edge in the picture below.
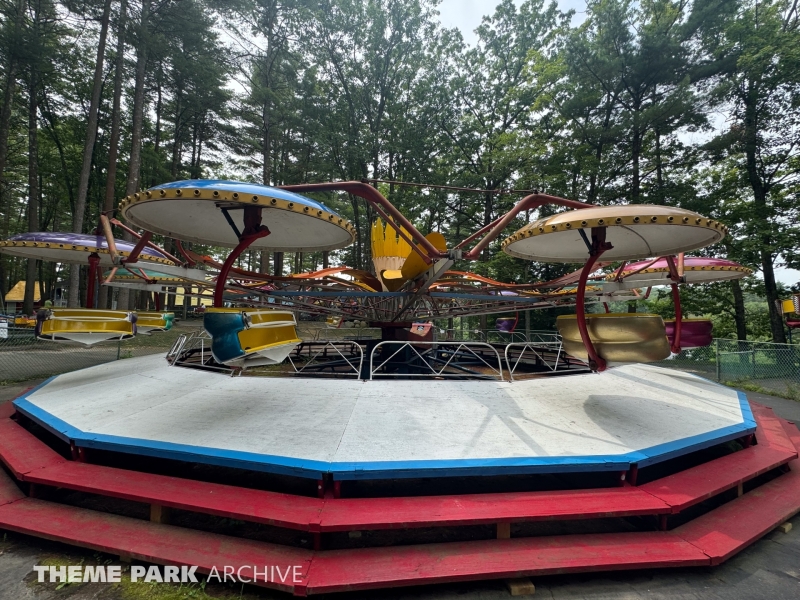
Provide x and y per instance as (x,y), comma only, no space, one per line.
(387,469)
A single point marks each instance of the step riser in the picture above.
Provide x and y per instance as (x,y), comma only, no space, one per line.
(706,540)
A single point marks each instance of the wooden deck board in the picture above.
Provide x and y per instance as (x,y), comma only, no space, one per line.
(151,542)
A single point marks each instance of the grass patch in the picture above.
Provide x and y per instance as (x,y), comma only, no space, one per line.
(792,391)
(139,590)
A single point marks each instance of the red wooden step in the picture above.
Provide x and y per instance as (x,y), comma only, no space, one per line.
(370,568)
(33,461)
(694,485)
(9,492)
(726,530)
(22,452)
(271,508)
(474,509)
(770,429)
(142,540)
(7,410)
(791,430)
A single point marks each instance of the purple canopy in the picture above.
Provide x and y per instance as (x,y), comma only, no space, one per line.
(70,247)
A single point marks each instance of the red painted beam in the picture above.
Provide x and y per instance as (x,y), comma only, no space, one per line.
(475,509)
(699,483)
(9,492)
(22,452)
(371,568)
(151,542)
(271,508)
(733,526)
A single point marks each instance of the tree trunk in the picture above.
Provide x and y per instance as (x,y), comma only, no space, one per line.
(175,166)
(33,187)
(5,126)
(738,310)
(88,150)
(636,149)
(107,293)
(134,164)
(762,211)
(278,263)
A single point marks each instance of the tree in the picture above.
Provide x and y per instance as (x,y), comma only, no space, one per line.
(88,150)
(762,87)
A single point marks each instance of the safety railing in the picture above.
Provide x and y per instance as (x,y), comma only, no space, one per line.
(194,350)
(460,335)
(505,337)
(462,360)
(339,358)
(545,354)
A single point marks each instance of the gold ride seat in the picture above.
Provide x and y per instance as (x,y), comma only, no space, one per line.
(85,325)
(617,337)
(245,337)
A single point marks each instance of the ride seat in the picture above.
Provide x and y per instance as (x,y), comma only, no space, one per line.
(250,337)
(617,337)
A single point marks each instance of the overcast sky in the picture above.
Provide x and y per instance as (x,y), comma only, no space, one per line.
(467,14)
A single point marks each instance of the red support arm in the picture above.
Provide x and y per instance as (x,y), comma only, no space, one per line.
(253,230)
(386,209)
(149,244)
(137,249)
(91,282)
(599,245)
(381,205)
(527,203)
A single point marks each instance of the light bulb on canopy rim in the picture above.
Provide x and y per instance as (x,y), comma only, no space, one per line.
(198,211)
(696,269)
(635,231)
(73,248)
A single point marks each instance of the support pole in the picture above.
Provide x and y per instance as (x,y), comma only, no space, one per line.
(105,225)
(253,230)
(91,283)
(676,300)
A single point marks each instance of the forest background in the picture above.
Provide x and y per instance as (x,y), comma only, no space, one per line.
(690,104)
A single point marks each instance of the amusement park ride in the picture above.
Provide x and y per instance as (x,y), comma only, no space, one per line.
(408,433)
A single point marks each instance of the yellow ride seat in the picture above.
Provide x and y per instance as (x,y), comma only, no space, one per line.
(86,326)
(249,337)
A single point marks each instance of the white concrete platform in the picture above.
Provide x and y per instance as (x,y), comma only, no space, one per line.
(636,414)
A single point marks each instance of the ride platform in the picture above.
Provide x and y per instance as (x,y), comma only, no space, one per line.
(353,429)
(719,506)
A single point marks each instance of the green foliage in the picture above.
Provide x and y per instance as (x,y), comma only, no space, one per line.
(690,104)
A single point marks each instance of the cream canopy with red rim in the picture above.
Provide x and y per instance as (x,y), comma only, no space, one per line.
(198,211)
(635,231)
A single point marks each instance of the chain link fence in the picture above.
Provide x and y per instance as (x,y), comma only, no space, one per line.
(23,357)
(754,366)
